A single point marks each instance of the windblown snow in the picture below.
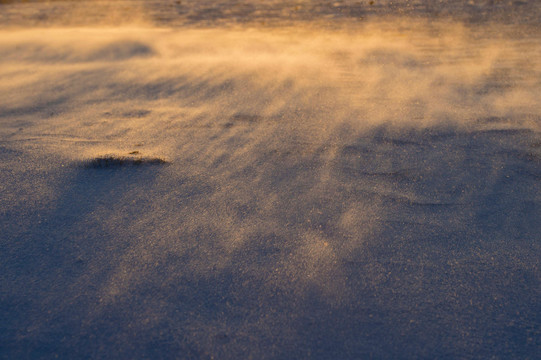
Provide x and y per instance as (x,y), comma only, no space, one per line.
(316,189)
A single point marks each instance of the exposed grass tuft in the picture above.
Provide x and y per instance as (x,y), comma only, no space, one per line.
(114,161)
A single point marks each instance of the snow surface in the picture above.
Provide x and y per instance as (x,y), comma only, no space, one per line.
(339,180)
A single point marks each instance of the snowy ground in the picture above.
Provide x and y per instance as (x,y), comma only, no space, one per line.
(342,180)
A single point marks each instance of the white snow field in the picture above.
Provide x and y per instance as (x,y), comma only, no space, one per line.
(270,179)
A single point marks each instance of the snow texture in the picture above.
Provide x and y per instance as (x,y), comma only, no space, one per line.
(326,180)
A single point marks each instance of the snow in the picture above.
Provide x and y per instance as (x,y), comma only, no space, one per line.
(325,185)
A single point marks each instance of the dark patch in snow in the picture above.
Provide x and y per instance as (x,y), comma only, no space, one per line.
(112,161)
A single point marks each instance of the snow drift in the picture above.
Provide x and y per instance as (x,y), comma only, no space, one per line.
(366,191)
